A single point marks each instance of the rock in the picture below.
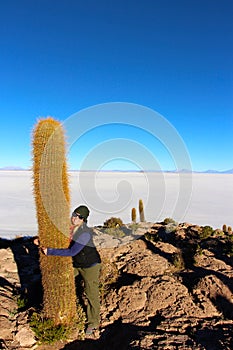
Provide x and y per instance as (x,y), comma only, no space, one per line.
(14,329)
(146,301)
(136,258)
(103,240)
(6,328)
(8,264)
(25,337)
(208,260)
(211,288)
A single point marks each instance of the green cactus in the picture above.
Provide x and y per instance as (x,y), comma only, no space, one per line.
(133,215)
(141,211)
(52,199)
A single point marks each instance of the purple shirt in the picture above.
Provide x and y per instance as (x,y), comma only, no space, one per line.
(74,249)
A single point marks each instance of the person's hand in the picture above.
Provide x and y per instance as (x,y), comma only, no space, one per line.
(36,241)
(44,250)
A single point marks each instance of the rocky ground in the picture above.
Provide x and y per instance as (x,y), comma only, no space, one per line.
(163,286)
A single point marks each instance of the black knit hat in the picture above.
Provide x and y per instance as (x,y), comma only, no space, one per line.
(82,210)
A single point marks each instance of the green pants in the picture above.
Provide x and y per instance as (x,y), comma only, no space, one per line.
(90,277)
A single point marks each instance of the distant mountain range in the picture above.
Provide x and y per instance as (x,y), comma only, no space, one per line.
(219,172)
(210,171)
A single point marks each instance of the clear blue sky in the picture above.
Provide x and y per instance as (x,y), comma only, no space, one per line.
(172,56)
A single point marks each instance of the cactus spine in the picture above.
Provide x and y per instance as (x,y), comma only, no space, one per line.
(141,211)
(52,198)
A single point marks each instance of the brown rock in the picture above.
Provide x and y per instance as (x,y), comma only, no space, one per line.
(25,337)
(6,328)
(146,302)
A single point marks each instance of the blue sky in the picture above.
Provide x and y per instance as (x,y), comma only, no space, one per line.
(172,56)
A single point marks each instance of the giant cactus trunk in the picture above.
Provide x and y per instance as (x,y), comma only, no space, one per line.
(51,191)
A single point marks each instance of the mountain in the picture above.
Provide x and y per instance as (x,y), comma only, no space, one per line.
(210,171)
(228,171)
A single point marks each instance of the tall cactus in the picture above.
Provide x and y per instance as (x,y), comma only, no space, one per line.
(141,211)
(52,198)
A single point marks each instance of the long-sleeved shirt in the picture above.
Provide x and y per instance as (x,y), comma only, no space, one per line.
(74,248)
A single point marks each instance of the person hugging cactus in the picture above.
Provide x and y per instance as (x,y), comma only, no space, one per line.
(86,263)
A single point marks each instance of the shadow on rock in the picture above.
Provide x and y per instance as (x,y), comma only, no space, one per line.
(26,256)
(115,336)
(219,337)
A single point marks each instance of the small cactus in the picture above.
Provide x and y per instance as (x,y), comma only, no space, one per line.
(224,228)
(133,215)
(229,230)
(141,211)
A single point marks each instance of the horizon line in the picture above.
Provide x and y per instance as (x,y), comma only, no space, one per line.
(209,171)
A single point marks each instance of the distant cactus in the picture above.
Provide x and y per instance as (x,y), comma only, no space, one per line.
(134,215)
(52,200)
(224,228)
(229,230)
(141,211)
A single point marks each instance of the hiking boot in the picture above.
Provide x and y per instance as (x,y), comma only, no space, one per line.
(92,332)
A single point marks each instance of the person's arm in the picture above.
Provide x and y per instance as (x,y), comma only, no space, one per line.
(73,250)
